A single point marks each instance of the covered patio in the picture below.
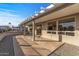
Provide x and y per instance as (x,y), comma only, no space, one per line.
(56,25)
(36,48)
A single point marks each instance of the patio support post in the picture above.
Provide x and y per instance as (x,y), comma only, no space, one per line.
(57,25)
(21,30)
(24,31)
(33,30)
(59,35)
(57,29)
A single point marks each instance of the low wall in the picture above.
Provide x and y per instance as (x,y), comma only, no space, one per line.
(49,35)
(3,35)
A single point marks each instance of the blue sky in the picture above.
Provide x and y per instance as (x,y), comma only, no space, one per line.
(18,12)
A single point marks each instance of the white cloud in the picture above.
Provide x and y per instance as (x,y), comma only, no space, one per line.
(6,10)
(7,16)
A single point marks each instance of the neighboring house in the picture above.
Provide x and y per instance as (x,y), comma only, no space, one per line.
(15,28)
(4,28)
(60,23)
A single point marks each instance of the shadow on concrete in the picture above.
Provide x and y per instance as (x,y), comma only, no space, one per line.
(66,50)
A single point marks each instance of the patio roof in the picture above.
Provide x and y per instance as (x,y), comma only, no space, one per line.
(57,7)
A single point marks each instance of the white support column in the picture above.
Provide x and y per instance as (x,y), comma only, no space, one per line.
(33,30)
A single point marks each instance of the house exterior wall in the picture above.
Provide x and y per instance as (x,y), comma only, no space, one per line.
(69,12)
(74,40)
(49,36)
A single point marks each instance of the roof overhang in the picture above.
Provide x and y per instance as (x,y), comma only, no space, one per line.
(72,9)
(59,10)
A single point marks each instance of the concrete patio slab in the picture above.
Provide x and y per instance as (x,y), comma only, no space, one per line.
(36,47)
(67,50)
(28,51)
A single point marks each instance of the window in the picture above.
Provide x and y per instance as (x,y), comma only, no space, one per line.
(67,25)
(38,29)
(51,27)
